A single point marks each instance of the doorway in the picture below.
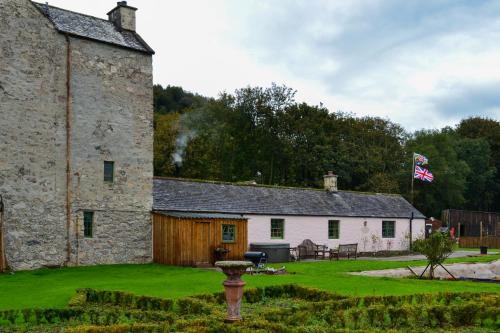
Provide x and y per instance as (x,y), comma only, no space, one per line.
(202,255)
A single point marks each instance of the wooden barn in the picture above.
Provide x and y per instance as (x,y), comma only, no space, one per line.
(474,228)
(192,239)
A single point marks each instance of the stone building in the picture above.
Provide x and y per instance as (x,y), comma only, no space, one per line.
(76,137)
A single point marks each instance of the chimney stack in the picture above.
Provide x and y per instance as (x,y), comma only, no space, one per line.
(123,16)
(330,181)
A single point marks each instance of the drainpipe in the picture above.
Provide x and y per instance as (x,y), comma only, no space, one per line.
(411,230)
(69,111)
(3,261)
(77,222)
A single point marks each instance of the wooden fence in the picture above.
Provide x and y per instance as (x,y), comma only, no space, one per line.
(476,242)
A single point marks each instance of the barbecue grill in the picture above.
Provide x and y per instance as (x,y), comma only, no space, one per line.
(257,258)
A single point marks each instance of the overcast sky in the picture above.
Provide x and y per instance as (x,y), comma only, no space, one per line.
(423,64)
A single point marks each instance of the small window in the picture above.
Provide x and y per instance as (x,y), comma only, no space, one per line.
(277,228)
(333,229)
(388,229)
(109,171)
(88,221)
(228,233)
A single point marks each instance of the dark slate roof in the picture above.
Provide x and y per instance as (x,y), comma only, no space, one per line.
(94,28)
(197,196)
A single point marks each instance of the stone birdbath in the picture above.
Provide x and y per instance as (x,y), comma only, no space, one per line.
(233,286)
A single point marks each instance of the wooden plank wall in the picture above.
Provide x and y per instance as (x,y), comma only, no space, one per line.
(174,243)
(470,222)
(475,242)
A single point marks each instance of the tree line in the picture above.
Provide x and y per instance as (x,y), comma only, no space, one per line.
(264,135)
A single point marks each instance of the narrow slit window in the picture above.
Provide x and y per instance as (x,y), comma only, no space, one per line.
(277,228)
(333,229)
(88,224)
(228,233)
(388,229)
(109,171)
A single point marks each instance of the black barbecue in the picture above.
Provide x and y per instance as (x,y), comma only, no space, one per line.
(257,258)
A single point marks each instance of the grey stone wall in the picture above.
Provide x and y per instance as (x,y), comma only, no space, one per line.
(112,120)
(118,237)
(32,135)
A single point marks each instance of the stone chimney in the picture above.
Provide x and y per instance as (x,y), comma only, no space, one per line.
(330,181)
(123,16)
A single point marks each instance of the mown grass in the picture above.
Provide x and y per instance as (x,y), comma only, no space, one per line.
(53,288)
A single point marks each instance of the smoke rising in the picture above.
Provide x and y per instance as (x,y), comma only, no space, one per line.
(187,132)
(181,143)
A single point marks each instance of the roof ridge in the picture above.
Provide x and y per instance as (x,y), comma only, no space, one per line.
(218,182)
(71,11)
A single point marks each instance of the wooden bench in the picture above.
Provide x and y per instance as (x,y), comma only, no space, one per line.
(344,250)
(307,249)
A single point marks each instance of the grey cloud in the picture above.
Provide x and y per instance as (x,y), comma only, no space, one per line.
(367,41)
(467,100)
(357,37)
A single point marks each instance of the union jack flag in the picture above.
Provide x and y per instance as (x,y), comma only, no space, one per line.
(420,159)
(423,174)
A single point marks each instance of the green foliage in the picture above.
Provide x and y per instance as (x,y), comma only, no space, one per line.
(436,248)
(124,299)
(174,99)
(53,288)
(285,308)
(263,134)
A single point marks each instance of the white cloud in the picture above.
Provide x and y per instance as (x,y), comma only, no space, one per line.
(398,60)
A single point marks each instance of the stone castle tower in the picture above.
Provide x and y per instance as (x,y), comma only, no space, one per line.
(76,137)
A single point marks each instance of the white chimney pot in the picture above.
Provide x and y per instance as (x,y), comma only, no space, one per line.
(330,181)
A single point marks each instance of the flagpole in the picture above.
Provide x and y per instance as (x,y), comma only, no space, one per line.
(412,176)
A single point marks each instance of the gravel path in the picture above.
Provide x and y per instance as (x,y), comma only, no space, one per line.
(467,270)
(456,254)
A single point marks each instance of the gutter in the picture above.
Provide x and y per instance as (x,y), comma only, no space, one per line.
(405,217)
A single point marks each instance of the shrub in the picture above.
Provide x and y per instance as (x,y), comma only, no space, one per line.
(437,247)
(190,305)
(253,295)
(120,328)
(123,299)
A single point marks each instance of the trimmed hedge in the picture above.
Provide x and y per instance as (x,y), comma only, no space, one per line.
(120,328)
(38,316)
(122,299)
(286,308)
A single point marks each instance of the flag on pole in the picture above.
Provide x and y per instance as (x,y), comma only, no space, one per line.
(423,174)
(420,159)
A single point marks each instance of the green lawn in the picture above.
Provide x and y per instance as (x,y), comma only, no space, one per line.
(53,288)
